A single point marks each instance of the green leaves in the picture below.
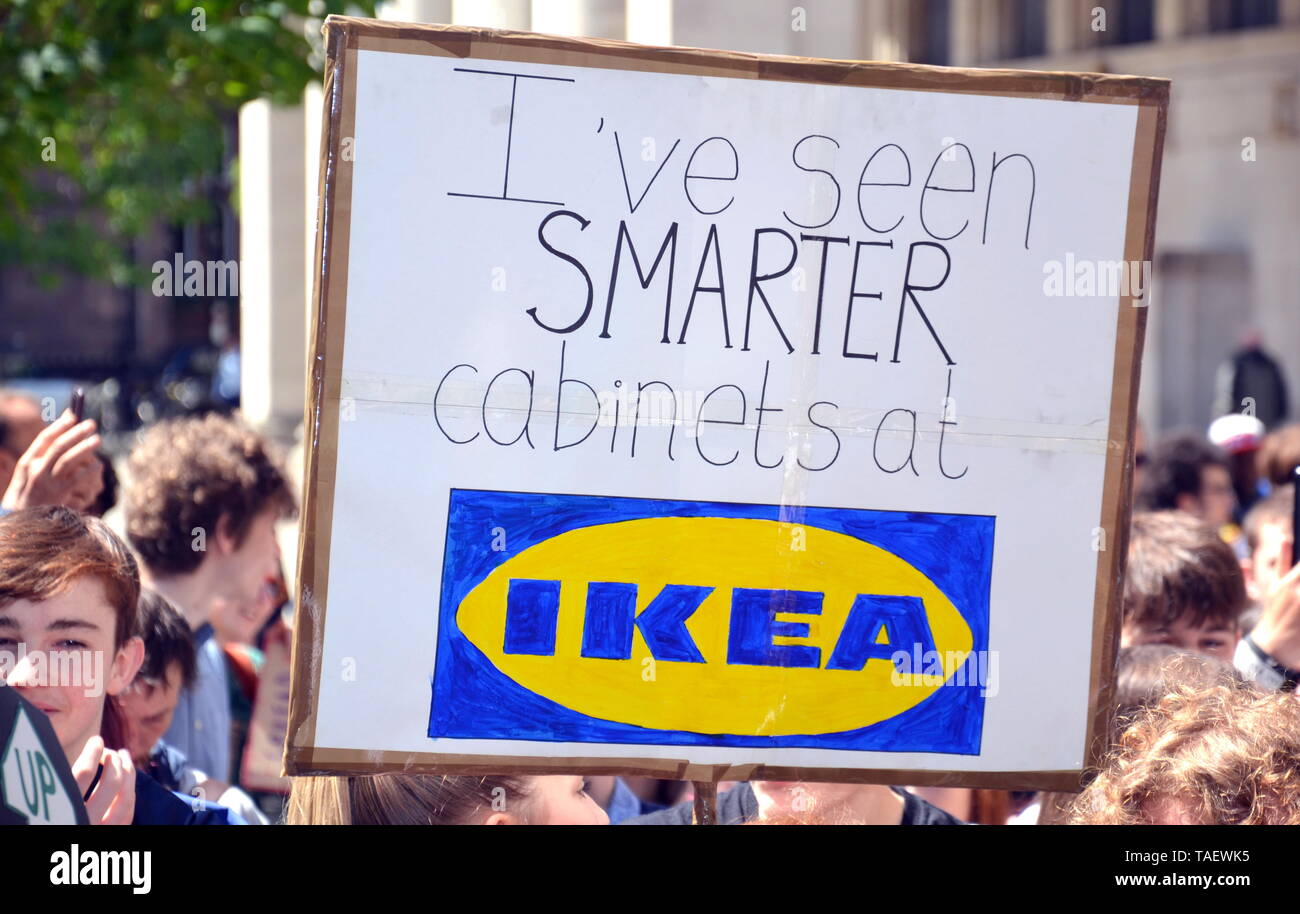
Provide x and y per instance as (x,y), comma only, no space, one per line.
(116,114)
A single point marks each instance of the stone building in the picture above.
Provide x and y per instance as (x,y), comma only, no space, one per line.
(1228,238)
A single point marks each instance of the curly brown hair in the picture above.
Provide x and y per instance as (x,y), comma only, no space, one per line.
(1226,755)
(191,473)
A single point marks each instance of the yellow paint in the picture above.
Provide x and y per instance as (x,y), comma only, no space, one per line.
(712,697)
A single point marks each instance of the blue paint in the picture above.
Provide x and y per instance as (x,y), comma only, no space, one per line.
(607,628)
(607,632)
(754,625)
(901,618)
(473,700)
(532,611)
(663,623)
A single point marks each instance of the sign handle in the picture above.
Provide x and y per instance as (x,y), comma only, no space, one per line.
(706,802)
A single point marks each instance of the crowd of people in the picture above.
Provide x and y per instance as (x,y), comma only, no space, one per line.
(173,615)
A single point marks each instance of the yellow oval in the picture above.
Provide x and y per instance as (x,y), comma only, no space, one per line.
(714,697)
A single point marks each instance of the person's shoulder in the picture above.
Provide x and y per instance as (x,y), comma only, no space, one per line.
(156,805)
(167,765)
(917,811)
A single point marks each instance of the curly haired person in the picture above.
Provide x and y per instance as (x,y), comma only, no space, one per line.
(1226,755)
(204,497)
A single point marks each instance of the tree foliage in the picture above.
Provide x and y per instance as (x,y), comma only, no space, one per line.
(115,114)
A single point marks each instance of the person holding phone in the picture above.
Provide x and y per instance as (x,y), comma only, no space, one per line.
(1270,653)
(57,465)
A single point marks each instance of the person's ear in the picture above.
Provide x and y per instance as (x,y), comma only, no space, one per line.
(1188,502)
(500,818)
(126,663)
(224,538)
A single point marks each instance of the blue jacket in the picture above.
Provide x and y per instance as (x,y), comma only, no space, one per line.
(156,805)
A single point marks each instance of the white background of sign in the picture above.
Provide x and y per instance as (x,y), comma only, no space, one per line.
(1031,385)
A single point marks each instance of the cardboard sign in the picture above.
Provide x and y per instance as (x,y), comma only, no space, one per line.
(711,415)
(260,767)
(36,784)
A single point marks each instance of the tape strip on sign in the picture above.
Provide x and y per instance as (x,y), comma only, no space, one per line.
(391,395)
(626,620)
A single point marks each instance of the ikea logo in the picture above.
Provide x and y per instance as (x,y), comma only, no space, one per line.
(706,623)
(532,608)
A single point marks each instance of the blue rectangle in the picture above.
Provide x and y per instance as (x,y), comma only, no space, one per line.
(472,699)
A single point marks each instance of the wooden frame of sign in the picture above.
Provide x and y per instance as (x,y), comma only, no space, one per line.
(346,37)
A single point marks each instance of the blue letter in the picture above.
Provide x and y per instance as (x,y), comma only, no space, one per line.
(663,623)
(607,633)
(901,618)
(532,608)
(754,625)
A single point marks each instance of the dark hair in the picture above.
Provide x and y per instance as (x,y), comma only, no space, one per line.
(1276,509)
(191,474)
(108,495)
(167,639)
(1175,469)
(1177,567)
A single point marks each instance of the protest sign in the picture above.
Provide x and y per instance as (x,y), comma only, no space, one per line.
(713,415)
(260,766)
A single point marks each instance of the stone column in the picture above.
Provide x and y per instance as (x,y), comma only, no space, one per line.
(649,21)
(888,30)
(272,282)
(580,18)
(434,11)
(493,14)
(1068,26)
(1179,18)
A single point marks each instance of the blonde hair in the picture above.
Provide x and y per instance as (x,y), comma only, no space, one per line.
(1225,755)
(406,799)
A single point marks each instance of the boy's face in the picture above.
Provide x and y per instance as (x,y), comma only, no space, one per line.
(1213,638)
(1266,564)
(244,605)
(69,662)
(148,708)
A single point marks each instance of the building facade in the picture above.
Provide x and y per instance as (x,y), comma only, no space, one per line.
(1228,233)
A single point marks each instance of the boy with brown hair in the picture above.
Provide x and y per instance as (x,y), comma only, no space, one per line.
(69,592)
(1183,587)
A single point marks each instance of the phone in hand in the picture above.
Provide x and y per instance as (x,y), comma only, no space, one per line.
(1295,515)
(78,404)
